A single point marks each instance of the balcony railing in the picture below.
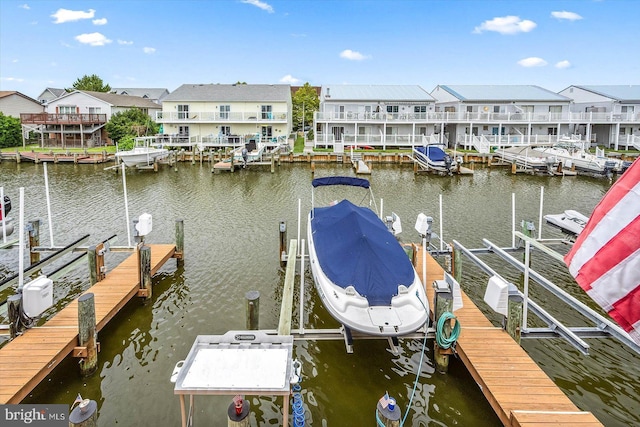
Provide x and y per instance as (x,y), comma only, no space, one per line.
(210,116)
(480,117)
(62,119)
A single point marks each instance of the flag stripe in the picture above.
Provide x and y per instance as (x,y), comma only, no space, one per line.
(616,251)
(617,283)
(627,311)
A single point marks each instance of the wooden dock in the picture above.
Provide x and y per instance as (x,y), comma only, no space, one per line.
(29,358)
(39,157)
(518,390)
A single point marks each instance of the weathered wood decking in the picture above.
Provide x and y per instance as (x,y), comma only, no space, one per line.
(518,390)
(29,358)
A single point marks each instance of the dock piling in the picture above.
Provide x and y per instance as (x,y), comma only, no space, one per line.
(34,240)
(179,254)
(443,303)
(144,272)
(253,310)
(87,348)
(85,414)
(238,413)
(13,311)
(282,252)
(388,416)
(513,323)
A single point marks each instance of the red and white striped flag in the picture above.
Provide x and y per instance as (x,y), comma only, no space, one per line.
(605,260)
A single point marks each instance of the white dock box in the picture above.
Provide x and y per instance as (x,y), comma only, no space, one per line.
(37,296)
(497,295)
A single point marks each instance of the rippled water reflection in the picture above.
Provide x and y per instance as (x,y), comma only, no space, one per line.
(231,245)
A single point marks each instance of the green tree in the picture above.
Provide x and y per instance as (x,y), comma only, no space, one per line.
(92,83)
(10,131)
(305,101)
(131,123)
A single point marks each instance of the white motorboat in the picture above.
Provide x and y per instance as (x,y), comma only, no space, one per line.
(364,277)
(570,222)
(250,152)
(574,156)
(528,158)
(142,154)
(6,223)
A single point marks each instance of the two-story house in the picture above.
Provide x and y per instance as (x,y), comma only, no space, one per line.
(227,114)
(152,94)
(50,93)
(610,112)
(78,118)
(481,115)
(373,115)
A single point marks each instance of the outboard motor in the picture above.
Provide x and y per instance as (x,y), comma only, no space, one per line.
(7,206)
(447,163)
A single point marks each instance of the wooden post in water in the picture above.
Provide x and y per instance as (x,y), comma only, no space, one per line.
(457,264)
(144,271)
(253,310)
(91,257)
(85,414)
(13,311)
(179,254)
(238,413)
(283,244)
(514,320)
(443,303)
(273,162)
(34,240)
(87,348)
(513,168)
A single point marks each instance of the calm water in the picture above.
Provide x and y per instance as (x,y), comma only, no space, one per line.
(231,245)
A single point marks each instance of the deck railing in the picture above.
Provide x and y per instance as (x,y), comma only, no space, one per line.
(210,116)
(62,119)
(481,117)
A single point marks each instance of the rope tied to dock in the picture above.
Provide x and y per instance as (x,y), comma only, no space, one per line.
(443,341)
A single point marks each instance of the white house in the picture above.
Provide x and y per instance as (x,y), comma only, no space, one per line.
(481,115)
(50,93)
(78,118)
(611,112)
(227,113)
(374,115)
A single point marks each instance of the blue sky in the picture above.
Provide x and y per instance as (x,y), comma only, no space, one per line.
(163,44)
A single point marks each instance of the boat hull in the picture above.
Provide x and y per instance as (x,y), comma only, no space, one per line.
(142,156)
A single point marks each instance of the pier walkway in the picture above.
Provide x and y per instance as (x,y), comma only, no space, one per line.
(518,390)
(30,357)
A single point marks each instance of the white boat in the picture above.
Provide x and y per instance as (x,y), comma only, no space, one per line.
(574,156)
(250,152)
(434,157)
(528,158)
(142,154)
(363,275)
(570,222)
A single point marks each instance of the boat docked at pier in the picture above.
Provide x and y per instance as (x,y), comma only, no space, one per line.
(142,154)
(364,277)
(573,155)
(528,158)
(433,157)
(570,222)
(6,223)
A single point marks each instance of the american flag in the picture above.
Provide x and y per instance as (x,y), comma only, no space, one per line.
(605,260)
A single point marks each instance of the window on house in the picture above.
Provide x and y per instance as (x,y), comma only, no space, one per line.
(94,110)
(420,109)
(224,111)
(67,109)
(183,111)
(450,109)
(555,108)
(469,109)
(267,113)
(391,130)
(183,131)
(267,132)
(497,108)
(225,130)
(422,130)
(392,108)
(626,109)
(552,131)
(527,108)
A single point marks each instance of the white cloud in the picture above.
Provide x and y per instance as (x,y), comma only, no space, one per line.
(14,61)
(149,50)
(93,39)
(532,62)
(66,15)
(25,6)
(289,79)
(570,16)
(352,55)
(12,79)
(125,42)
(563,64)
(506,25)
(101,21)
(262,5)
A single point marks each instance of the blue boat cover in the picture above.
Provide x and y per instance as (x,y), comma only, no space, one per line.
(432,152)
(340,180)
(355,248)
